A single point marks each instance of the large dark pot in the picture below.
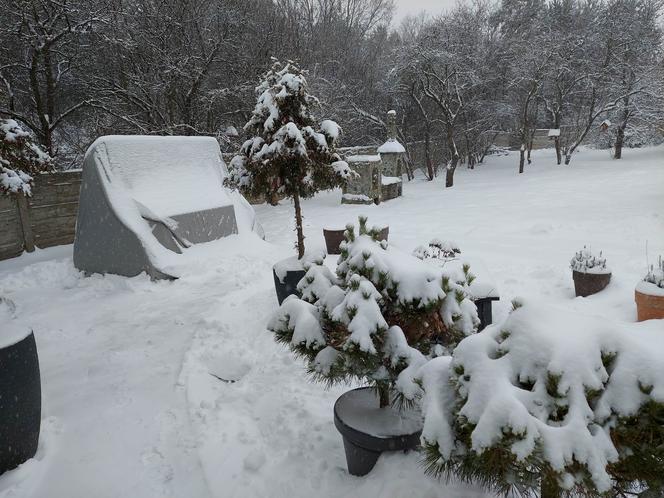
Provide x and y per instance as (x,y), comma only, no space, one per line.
(358,418)
(20,402)
(288,285)
(334,238)
(587,284)
(485,311)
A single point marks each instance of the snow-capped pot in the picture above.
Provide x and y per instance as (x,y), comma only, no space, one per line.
(377,321)
(289,154)
(20,159)
(438,249)
(288,272)
(551,402)
(649,293)
(589,272)
(20,390)
(334,238)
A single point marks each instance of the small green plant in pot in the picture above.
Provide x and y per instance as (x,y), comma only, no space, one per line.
(376,322)
(289,155)
(589,272)
(649,293)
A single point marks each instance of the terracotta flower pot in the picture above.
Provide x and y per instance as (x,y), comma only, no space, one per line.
(648,306)
(587,284)
(334,238)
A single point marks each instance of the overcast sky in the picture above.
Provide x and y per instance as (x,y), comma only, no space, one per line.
(405,7)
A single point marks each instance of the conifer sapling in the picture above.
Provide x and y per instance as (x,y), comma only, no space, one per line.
(378,319)
(288,155)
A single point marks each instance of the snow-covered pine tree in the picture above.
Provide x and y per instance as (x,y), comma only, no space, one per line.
(287,155)
(550,404)
(378,320)
(20,158)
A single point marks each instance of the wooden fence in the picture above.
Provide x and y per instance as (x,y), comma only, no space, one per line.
(46,219)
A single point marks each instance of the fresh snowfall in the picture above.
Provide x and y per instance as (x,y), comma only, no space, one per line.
(178,388)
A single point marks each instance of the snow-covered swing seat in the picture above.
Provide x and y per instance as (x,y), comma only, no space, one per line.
(146,199)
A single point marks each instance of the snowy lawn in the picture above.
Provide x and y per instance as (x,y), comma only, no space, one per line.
(134,404)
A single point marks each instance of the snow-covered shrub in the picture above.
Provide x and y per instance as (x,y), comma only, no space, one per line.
(655,275)
(20,159)
(586,262)
(378,319)
(287,155)
(438,249)
(568,403)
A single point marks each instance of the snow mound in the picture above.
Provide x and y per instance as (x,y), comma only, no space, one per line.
(546,387)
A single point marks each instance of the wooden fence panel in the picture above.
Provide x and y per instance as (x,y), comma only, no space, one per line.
(49,215)
(11,235)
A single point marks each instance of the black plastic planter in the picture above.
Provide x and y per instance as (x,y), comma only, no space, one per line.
(485,311)
(20,403)
(362,448)
(587,284)
(289,284)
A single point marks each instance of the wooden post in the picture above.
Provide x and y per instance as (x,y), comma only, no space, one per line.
(24,216)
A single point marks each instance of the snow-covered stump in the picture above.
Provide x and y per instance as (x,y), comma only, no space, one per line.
(365,188)
(392,153)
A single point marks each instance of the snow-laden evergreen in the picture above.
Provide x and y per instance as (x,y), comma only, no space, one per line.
(549,398)
(288,155)
(585,261)
(378,319)
(20,159)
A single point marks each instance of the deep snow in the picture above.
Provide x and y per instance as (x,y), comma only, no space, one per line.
(134,404)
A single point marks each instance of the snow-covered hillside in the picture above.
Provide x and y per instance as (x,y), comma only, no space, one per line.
(134,401)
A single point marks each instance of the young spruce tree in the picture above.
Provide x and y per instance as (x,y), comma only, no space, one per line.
(378,319)
(287,154)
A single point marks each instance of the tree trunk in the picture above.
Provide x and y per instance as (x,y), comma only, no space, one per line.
(620,139)
(531,137)
(298,226)
(548,488)
(556,140)
(384,396)
(449,173)
(427,155)
(522,157)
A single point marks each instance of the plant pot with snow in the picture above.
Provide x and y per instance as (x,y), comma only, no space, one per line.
(288,272)
(378,320)
(20,391)
(287,156)
(481,288)
(368,430)
(334,238)
(590,273)
(649,294)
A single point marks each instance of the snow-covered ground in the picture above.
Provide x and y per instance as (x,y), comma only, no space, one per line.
(133,401)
